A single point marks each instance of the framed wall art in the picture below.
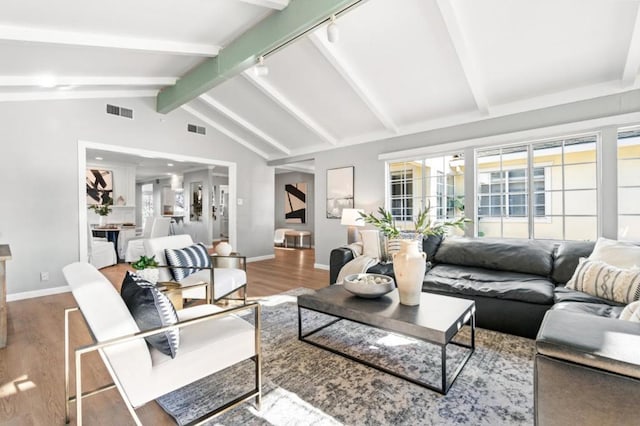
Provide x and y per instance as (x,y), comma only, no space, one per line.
(99,187)
(339,191)
(295,203)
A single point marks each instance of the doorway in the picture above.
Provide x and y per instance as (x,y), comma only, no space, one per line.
(154,200)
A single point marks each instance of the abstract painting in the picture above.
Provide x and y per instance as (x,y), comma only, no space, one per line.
(339,191)
(295,204)
(99,187)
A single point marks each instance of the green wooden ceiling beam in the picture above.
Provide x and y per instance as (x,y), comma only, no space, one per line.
(271,33)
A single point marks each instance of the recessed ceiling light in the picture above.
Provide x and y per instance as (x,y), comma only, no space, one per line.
(170,164)
(99,158)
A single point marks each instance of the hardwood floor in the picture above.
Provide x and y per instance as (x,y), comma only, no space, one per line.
(32,364)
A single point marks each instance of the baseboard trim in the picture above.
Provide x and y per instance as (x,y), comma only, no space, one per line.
(259,258)
(38,293)
(321,266)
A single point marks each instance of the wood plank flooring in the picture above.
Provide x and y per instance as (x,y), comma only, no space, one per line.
(32,364)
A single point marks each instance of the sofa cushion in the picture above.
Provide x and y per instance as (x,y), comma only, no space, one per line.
(597,309)
(526,256)
(195,255)
(151,309)
(617,253)
(603,280)
(567,255)
(564,294)
(431,244)
(471,281)
(603,343)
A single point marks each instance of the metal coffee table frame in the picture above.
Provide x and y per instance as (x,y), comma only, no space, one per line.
(446,383)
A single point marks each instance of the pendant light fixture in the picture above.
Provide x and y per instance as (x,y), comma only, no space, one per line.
(333,32)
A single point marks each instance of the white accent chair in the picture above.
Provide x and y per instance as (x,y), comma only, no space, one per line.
(102,253)
(135,247)
(227,275)
(211,339)
(279,236)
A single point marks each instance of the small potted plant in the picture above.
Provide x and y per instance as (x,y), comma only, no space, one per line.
(102,210)
(147,268)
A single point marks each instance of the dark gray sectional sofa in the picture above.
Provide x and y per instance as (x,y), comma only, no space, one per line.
(513,282)
(587,361)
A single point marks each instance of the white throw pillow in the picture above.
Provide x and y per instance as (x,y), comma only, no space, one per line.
(370,243)
(616,253)
(631,312)
(606,281)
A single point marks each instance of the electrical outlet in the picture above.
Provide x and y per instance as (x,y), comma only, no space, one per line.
(240,201)
(44,276)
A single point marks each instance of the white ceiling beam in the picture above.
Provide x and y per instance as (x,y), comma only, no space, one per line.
(52,80)
(40,35)
(462,48)
(71,94)
(341,65)
(220,128)
(244,123)
(270,4)
(632,64)
(288,106)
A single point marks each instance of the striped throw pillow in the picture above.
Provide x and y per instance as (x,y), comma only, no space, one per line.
(194,256)
(608,282)
(151,309)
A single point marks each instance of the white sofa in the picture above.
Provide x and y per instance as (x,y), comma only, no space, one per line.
(225,280)
(211,339)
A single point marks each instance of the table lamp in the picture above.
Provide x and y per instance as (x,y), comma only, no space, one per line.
(352,219)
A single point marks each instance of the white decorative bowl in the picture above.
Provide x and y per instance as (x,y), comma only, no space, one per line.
(369,286)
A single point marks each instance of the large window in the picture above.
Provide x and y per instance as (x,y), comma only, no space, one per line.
(629,184)
(437,182)
(563,190)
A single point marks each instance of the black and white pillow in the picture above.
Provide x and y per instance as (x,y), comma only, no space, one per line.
(151,309)
(196,256)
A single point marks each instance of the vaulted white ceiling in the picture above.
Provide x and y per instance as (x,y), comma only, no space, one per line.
(400,66)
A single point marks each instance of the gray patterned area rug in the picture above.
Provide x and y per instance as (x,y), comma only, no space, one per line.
(306,385)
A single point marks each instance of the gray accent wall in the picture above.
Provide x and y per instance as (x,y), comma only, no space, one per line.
(281,180)
(39,177)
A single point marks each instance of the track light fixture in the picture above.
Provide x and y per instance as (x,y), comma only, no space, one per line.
(333,32)
(261,70)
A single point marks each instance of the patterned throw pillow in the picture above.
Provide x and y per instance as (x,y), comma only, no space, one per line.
(608,282)
(151,309)
(195,255)
(631,312)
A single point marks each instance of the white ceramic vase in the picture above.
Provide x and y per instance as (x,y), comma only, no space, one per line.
(409,266)
(223,249)
(102,221)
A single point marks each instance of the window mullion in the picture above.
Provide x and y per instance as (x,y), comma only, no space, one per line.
(529,187)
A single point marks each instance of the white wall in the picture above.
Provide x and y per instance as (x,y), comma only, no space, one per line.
(39,177)
(292,178)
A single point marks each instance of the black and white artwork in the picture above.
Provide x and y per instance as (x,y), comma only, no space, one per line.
(295,204)
(99,187)
(339,191)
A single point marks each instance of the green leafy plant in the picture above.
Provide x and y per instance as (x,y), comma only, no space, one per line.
(101,209)
(145,262)
(423,225)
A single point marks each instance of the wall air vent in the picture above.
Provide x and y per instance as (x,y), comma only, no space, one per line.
(196,129)
(121,111)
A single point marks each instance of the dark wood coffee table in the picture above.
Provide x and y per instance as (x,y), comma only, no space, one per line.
(436,320)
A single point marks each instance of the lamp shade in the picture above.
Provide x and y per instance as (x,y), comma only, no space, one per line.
(351,217)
